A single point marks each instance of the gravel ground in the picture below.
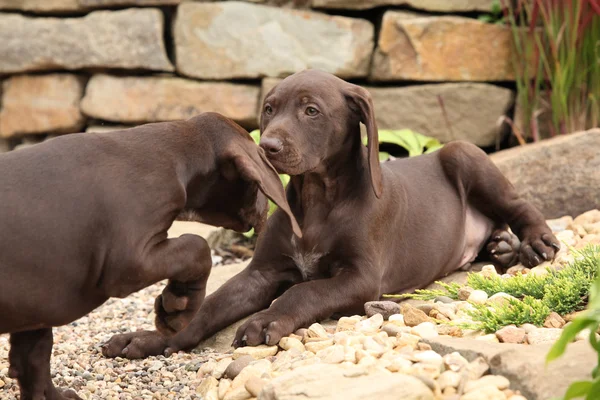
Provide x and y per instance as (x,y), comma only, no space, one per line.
(77,361)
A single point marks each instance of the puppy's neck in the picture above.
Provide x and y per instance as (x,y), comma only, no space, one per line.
(343,175)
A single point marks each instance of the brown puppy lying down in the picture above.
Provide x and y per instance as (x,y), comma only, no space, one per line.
(368,229)
(85,217)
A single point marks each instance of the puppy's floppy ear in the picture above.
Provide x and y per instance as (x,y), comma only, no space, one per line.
(255,167)
(359,99)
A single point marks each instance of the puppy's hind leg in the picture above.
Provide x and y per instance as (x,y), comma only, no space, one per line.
(485,188)
(29,359)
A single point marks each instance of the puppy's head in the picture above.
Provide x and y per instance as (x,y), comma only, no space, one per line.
(243,182)
(312,117)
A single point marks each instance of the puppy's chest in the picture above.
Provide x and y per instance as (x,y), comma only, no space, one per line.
(310,255)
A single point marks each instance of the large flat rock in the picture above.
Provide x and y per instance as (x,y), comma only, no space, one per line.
(525,365)
(427,5)
(441,48)
(335,382)
(560,176)
(240,40)
(34,104)
(126,39)
(57,6)
(133,100)
(470,110)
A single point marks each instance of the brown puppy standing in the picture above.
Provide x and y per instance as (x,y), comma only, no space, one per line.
(368,229)
(85,217)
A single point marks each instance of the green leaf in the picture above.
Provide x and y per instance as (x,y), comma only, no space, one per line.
(255,135)
(411,141)
(567,336)
(383,156)
(485,18)
(594,392)
(578,389)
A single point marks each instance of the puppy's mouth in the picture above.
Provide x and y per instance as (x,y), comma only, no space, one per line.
(286,162)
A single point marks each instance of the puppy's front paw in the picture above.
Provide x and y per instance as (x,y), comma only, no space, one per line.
(538,245)
(135,345)
(503,248)
(263,327)
(176,306)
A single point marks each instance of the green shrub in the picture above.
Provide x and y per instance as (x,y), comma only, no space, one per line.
(563,292)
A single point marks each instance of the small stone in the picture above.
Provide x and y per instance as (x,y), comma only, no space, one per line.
(346,324)
(314,347)
(208,389)
(444,299)
(370,325)
(518,269)
(257,352)
(220,368)
(392,329)
(332,355)
(413,316)
(430,370)
(488,271)
(497,381)
(500,298)
(425,330)
(543,335)
(224,386)
(385,308)
(407,340)
(254,385)
(484,393)
(257,368)
(235,367)
(449,379)
(449,330)
(464,292)
(425,307)
(428,357)
(455,362)
(205,369)
(529,327)
(511,334)
(316,330)
(397,318)
(239,393)
(400,364)
(541,270)
(423,346)
(491,338)
(287,343)
(477,368)
(478,297)
(560,224)
(447,310)
(554,321)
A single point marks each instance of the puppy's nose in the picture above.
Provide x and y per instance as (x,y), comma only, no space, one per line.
(271,145)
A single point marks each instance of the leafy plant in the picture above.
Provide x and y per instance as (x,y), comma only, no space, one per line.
(495,15)
(556,61)
(562,291)
(413,142)
(589,319)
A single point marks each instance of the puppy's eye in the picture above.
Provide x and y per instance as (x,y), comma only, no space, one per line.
(268,109)
(311,111)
